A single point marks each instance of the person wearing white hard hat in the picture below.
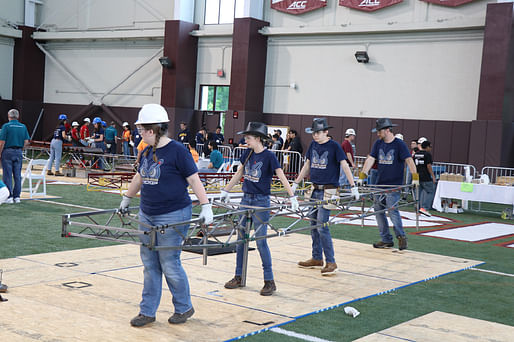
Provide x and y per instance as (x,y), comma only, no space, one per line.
(165,171)
(75,134)
(126,138)
(348,148)
(399,136)
(84,132)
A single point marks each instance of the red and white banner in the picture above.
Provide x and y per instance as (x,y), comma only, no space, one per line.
(452,3)
(297,6)
(368,5)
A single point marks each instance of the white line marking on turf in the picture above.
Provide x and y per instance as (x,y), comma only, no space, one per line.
(68,205)
(493,272)
(298,335)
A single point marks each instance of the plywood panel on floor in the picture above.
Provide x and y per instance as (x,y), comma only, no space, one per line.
(91,294)
(441,326)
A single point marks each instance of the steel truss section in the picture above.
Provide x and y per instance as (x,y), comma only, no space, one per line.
(232,223)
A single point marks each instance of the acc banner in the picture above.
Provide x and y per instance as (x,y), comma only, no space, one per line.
(297,6)
(368,5)
(451,3)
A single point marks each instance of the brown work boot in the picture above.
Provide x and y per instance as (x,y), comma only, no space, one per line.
(382,244)
(402,242)
(57,173)
(329,269)
(50,173)
(141,320)
(269,288)
(311,263)
(234,283)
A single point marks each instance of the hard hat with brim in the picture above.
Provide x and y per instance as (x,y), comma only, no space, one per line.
(383,123)
(88,120)
(256,128)
(421,140)
(152,113)
(318,124)
(350,131)
(75,123)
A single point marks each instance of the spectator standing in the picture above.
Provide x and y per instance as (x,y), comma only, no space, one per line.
(111,135)
(349,152)
(427,182)
(136,139)
(14,136)
(126,137)
(294,145)
(218,136)
(183,135)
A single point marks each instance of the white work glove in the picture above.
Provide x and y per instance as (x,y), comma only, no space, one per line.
(294,186)
(294,203)
(131,143)
(108,145)
(125,202)
(334,197)
(206,215)
(355,192)
(224,196)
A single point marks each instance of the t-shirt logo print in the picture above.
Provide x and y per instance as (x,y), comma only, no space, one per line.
(151,171)
(253,172)
(319,162)
(384,158)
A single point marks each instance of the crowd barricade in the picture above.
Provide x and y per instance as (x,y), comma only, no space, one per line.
(460,169)
(499,175)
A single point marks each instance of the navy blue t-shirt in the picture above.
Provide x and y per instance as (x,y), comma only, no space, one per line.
(136,136)
(164,186)
(391,161)
(258,172)
(58,132)
(98,133)
(219,138)
(325,162)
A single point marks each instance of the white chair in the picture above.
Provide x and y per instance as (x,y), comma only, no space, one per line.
(35,175)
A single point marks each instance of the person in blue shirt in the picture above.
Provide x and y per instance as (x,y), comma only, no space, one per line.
(258,165)
(215,158)
(136,139)
(183,135)
(324,159)
(14,136)
(4,192)
(56,146)
(166,170)
(391,154)
(111,135)
(218,136)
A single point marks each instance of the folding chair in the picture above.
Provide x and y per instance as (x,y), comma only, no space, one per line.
(32,175)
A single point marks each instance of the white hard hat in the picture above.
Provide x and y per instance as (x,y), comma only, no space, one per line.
(152,113)
(125,123)
(87,120)
(422,140)
(399,136)
(75,123)
(350,131)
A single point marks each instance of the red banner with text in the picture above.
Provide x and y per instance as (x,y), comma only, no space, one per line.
(297,6)
(452,3)
(368,5)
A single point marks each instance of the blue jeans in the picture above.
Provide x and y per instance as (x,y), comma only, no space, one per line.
(259,220)
(55,154)
(427,192)
(101,161)
(11,166)
(388,200)
(126,148)
(373,175)
(167,262)
(343,180)
(321,238)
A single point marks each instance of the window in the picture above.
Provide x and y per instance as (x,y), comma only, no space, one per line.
(214,98)
(222,11)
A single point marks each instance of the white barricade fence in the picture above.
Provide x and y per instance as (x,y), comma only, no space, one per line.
(226,151)
(290,161)
(459,169)
(499,175)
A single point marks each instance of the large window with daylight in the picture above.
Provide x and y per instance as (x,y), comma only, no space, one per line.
(214,98)
(222,11)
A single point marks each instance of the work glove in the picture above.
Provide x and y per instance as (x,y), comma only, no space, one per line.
(355,192)
(224,196)
(108,145)
(294,203)
(362,177)
(125,202)
(206,215)
(294,186)
(415,178)
(131,143)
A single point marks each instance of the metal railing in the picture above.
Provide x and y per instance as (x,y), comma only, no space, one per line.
(499,175)
(460,169)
